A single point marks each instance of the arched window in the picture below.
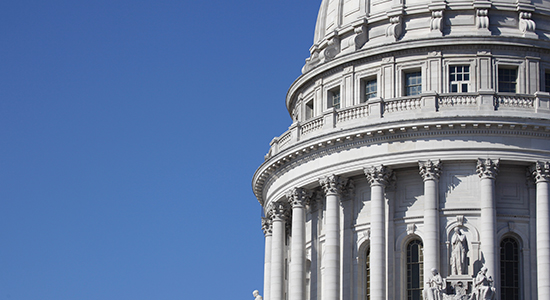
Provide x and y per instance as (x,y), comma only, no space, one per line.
(509,269)
(367,274)
(415,270)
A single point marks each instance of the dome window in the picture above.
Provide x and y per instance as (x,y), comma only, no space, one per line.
(413,83)
(371,89)
(507,79)
(459,78)
(547,81)
(334,98)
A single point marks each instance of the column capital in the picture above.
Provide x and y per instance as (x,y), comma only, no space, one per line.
(430,170)
(298,197)
(267,227)
(540,171)
(378,175)
(279,211)
(333,184)
(487,168)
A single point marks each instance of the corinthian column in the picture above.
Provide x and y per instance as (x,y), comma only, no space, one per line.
(279,215)
(378,178)
(297,275)
(541,173)
(430,172)
(332,186)
(266,227)
(487,170)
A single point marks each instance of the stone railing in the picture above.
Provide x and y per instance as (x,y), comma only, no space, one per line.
(285,138)
(377,109)
(399,105)
(454,100)
(515,101)
(311,126)
(351,113)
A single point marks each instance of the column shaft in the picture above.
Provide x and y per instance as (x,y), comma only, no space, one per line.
(378,178)
(333,186)
(543,240)
(277,259)
(430,172)
(297,273)
(377,244)
(266,226)
(331,256)
(431,227)
(488,225)
(487,170)
(541,172)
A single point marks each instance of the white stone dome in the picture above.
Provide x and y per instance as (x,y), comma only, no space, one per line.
(345,26)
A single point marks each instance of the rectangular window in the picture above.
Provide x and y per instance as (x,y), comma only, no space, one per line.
(507,78)
(334,98)
(459,79)
(413,83)
(547,82)
(309,110)
(371,87)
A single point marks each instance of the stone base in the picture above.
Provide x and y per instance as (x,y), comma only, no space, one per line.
(459,286)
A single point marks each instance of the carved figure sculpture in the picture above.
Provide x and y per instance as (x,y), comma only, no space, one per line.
(483,289)
(458,254)
(433,288)
(256,295)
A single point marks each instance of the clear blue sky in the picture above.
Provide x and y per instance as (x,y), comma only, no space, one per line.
(130,131)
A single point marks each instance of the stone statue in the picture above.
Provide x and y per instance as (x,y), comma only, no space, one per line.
(433,288)
(458,254)
(256,295)
(483,289)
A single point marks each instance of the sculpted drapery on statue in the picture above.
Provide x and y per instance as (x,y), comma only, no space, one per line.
(434,287)
(483,289)
(458,254)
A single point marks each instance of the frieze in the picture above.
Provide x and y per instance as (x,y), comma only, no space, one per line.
(282,163)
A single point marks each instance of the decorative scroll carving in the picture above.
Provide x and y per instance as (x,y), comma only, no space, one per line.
(333,47)
(430,170)
(299,197)
(487,168)
(437,21)
(482,18)
(395,28)
(361,34)
(526,24)
(267,226)
(378,175)
(411,228)
(333,184)
(540,171)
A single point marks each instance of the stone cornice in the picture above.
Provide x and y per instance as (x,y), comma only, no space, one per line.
(360,137)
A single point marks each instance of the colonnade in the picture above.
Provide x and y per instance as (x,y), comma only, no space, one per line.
(379,177)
